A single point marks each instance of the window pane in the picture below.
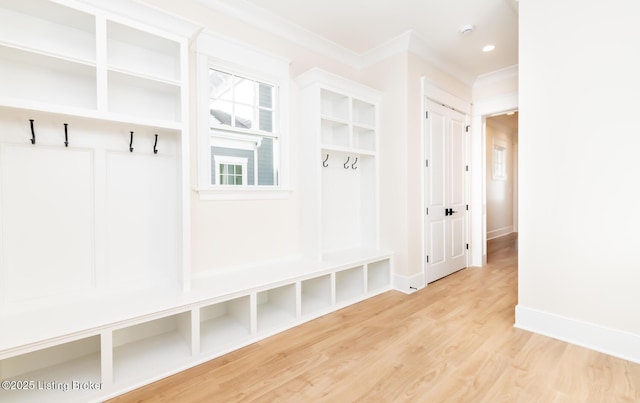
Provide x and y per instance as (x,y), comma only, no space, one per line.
(244,91)
(238,180)
(220,85)
(221,112)
(267,162)
(266,120)
(244,116)
(265,95)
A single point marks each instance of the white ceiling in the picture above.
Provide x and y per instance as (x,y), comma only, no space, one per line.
(363,27)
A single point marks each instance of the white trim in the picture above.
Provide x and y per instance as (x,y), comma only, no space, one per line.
(497,233)
(213,50)
(408,284)
(478,202)
(276,25)
(606,340)
(496,76)
(222,159)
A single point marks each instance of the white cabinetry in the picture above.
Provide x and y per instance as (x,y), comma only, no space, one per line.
(96,296)
(339,154)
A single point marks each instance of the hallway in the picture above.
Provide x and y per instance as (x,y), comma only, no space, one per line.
(451,341)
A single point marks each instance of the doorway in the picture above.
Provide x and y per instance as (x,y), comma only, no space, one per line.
(501,163)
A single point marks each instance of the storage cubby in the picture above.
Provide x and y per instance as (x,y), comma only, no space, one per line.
(349,284)
(364,139)
(334,106)
(133,51)
(364,113)
(151,348)
(315,294)
(224,323)
(378,275)
(53,371)
(45,27)
(276,307)
(334,133)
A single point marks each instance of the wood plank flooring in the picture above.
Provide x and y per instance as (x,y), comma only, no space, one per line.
(453,341)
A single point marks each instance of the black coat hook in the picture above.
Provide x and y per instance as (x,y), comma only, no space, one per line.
(33,133)
(346,164)
(155,150)
(324,163)
(354,163)
(131,143)
(66,136)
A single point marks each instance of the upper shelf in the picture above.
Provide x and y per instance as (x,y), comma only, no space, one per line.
(48,28)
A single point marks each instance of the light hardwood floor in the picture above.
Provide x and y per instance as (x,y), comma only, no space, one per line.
(453,341)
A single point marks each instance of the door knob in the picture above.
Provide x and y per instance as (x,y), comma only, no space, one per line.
(449,211)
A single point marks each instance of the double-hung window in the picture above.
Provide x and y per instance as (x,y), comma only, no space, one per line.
(242,120)
(243,125)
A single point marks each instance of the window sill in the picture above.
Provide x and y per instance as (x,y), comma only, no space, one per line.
(243,193)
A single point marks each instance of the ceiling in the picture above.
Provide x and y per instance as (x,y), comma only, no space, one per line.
(363,27)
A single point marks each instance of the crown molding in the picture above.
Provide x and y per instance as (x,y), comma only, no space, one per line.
(497,75)
(408,41)
(276,25)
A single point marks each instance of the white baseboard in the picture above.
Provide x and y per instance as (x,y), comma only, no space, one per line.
(408,284)
(595,337)
(497,233)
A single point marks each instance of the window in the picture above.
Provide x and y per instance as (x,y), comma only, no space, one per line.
(499,162)
(242,125)
(230,171)
(242,121)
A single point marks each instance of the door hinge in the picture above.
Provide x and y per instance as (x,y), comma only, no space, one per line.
(467,207)
(466,168)
(427,258)
(426,163)
(427,210)
(466,129)
(426,115)
(467,246)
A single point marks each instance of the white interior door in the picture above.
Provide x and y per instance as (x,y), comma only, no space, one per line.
(445,191)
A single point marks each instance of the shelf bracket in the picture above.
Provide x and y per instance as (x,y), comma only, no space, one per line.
(131,143)
(33,133)
(66,135)
(155,144)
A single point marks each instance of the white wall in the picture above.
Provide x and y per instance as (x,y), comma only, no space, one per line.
(579,87)
(499,191)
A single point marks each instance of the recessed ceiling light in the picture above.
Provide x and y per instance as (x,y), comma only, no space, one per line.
(488,48)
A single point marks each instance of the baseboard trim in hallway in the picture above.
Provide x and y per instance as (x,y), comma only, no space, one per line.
(595,337)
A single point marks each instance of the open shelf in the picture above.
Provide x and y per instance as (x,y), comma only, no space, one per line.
(224,323)
(334,133)
(133,95)
(276,307)
(364,113)
(334,105)
(151,348)
(349,284)
(378,275)
(316,294)
(53,371)
(49,28)
(40,78)
(364,138)
(141,53)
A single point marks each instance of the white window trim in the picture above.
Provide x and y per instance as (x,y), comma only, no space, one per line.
(215,51)
(223,159)
(499,167)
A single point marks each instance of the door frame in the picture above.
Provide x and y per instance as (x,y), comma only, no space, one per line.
(431,91)
(478,203)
